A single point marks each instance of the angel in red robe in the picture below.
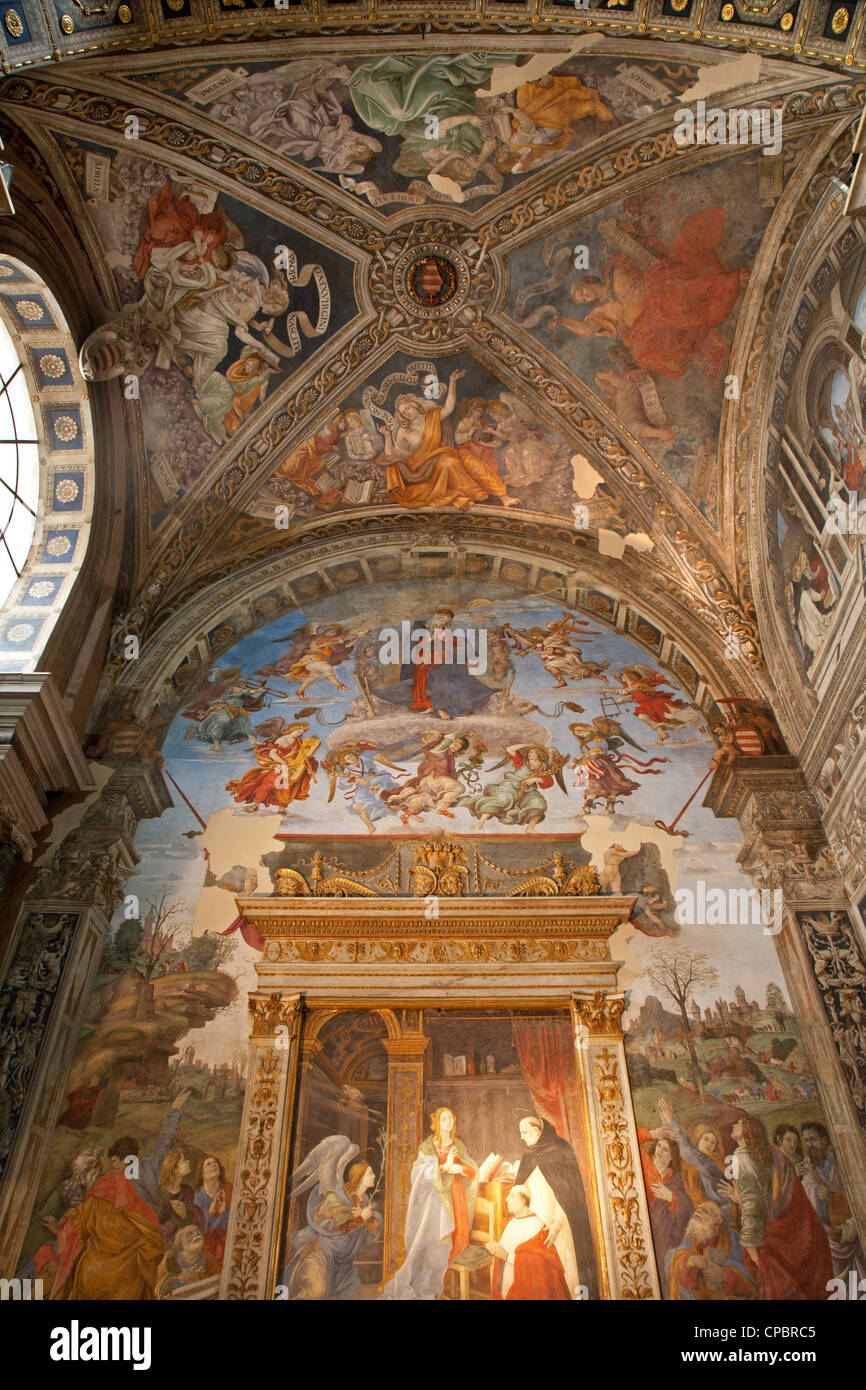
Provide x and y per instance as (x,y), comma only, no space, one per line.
(529,1267)
(174,220)
(284,773)
(667,314)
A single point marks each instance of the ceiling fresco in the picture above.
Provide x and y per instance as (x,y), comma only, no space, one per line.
(384,283)
(433,360)
(640,301)
(566,346)
(210,323)
(401,131)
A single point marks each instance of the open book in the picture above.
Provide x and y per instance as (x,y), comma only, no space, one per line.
(495,1168)
(356,493)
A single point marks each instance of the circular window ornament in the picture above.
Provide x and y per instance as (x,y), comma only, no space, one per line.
(65,428)
(51,365)
(66,490)
(431,281)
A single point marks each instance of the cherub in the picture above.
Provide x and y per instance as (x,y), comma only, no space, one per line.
(314,653)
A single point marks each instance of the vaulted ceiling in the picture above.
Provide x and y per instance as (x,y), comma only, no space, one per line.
(301,245)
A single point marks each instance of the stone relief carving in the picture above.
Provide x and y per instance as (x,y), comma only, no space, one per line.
(26,1000)
(841,976)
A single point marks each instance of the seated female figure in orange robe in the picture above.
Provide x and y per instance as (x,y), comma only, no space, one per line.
(553,103)
(422,471)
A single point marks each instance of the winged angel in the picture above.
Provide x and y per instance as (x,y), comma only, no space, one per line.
(340,1221)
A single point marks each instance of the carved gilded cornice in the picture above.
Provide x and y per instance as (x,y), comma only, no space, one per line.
(403,919)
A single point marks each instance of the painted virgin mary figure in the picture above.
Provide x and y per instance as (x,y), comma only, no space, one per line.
(340,1221)
(439,1215)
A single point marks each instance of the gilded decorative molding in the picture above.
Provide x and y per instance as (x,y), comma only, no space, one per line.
(600,1013)
(271,1012)
(456,950)
(581,882)
(439,867)
(253,1191)
(633,1250)
(413,925)
(439,870)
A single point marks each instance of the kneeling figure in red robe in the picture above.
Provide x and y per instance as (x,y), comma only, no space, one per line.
(529,1268)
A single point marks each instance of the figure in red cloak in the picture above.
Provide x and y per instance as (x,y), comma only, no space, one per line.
(667,314)
(528,1266)
(173,220)
(786,1248)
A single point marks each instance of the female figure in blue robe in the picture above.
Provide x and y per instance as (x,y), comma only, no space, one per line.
(340,1221)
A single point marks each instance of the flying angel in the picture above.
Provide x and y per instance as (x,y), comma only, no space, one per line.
(517,798)
(367,785)
(315,651)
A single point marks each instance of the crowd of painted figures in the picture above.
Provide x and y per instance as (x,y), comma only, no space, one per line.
(123,1224)
(737,1214)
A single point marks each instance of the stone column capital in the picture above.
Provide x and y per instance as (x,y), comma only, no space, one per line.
(785,845)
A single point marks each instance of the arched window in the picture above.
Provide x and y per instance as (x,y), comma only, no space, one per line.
(19,466)
(46,465)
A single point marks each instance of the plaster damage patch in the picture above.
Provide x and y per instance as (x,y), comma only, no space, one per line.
(229,841)
(68,820)
(597,840)
(504,80)
(724,77)
(610,543)
(585,478)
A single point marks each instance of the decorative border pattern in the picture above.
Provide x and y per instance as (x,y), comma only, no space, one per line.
(26,999)
(66,473)
(840,971)
(812,30)
(633,1246)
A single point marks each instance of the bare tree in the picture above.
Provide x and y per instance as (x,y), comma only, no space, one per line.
(678,973)
(164,926)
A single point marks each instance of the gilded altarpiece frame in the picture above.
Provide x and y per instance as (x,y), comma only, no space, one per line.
(324,956)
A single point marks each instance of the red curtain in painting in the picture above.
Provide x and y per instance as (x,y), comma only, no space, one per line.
(545,1047)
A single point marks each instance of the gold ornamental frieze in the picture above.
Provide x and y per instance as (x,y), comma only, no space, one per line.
(405,919)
